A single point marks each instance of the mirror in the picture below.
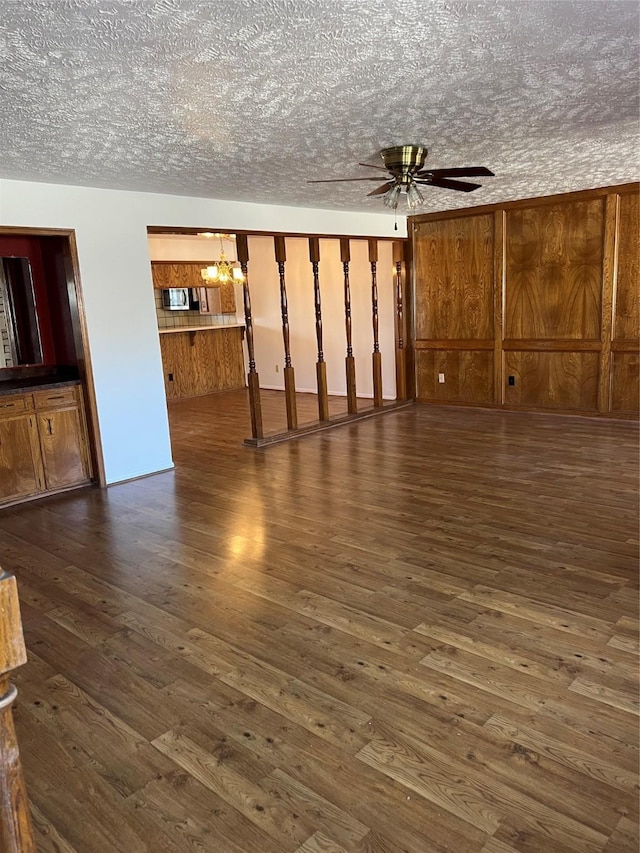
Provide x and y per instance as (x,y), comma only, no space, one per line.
(20,341)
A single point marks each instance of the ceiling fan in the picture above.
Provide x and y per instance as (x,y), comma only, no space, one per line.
(405,167)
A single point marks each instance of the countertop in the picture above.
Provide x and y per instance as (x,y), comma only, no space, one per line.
(17,386)
(200,328)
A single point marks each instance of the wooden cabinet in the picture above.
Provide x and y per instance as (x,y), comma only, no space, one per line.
(209,299)
(167,275)
(203,361)
(217,300)
(20,462)
(43,443)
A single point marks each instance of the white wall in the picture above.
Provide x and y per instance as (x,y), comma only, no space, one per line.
(188,247)
(116,283)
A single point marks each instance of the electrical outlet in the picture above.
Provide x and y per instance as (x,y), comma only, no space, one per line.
(512,380)
(277,368)
(441,378)
(171,377)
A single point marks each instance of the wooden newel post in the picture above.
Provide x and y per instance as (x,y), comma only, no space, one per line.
(321,367)
(350,362)
(289,374)
(377,357)
(253,380)
(401,359)
(16,835)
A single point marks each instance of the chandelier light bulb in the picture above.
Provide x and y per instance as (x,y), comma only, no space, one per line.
(223,271)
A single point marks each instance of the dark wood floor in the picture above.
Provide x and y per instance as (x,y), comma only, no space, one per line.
(416,633)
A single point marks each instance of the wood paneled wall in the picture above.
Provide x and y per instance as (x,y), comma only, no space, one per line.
(531,304)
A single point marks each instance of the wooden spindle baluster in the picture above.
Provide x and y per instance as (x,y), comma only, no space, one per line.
(253,380)
(377,356)
(401,362)
(289,374)
(350,362)
(321,367)
(16,835)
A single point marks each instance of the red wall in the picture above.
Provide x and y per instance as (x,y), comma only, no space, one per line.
(30,247)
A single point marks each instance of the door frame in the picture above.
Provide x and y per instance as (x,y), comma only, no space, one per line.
(81,334)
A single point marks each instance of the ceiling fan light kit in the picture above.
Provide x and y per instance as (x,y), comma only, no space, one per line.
(404,165)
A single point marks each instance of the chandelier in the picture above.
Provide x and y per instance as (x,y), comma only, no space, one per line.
(223,270)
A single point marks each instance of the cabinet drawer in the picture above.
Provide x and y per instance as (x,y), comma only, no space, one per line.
(56,398)
(14,404)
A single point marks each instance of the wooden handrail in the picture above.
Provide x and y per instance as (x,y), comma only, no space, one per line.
(16,834)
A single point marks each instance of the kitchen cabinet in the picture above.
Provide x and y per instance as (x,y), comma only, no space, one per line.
(202,361)
(43,443)
(20,461)
(218,300)
(209,299)
(167,275)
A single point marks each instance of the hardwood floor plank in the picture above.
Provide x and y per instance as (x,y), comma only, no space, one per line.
(48,839)
(214,771)
(415,634)
(572,757)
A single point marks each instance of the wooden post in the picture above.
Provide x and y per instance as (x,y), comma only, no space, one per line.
(377,357)
(401,361)
(289,374)
(253,380)
(16,835)
(321,367)
(350,362)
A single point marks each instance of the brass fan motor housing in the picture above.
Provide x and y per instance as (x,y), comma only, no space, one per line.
(403,161)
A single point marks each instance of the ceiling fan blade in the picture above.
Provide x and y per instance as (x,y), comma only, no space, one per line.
(450,185)
(340,180)
(371,166)
(460,172)
(383,189)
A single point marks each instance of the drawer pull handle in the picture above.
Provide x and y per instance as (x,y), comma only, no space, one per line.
(49,427)
(59,397)
(7,405)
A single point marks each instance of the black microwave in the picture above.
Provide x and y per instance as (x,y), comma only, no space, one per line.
(179,299)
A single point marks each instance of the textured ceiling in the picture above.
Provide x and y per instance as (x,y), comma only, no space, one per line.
(247,99)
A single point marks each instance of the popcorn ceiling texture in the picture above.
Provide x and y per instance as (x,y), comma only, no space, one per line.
(247,99)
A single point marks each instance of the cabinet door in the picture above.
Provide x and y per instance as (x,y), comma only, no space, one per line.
(209,300)
(19,458)
(176,275)
(64,450)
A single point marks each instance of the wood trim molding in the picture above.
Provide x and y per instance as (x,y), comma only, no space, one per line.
(609,286)
(466,344)
(86,370)
(561,198)
(499,298)
(319,426)
(625,346)
(527,409)
(17,230)
(551,345)
(176,230)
